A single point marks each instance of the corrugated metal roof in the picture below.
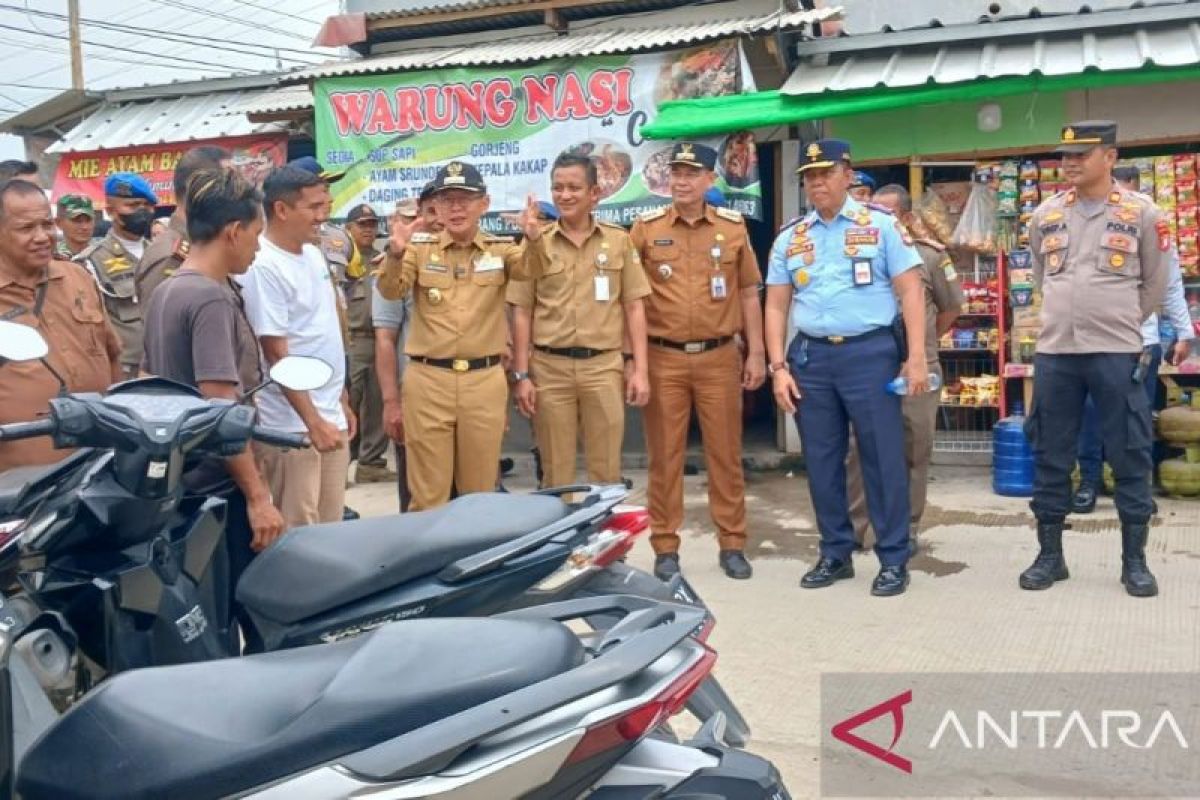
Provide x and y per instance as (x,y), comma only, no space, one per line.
(1107,52)
(288,98)
(606,41)
(871,16)
(387,9)
(180,119)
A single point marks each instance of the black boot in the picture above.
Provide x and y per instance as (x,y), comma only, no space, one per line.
(1135,575)
(1049,565)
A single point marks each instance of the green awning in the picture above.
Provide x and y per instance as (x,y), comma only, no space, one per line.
(709,116)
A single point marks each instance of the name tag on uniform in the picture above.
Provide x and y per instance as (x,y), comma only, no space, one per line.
(601,283)
(862,236)
(489,263)
(862,272)
(717,287)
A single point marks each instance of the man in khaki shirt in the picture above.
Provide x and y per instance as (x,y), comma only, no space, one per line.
(61,301)
(1101,256)
(705,283)
(586,302)
(454,395)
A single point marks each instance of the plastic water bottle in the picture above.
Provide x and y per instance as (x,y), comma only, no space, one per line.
(900,385)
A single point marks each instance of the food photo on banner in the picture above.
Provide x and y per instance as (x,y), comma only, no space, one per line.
(392,132)
(84,172)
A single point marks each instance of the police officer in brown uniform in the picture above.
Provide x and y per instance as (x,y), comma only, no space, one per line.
(362,225)
(113,260)
(167,252)
(943,303)
(705,290)
(60,300)
(587,300)
(1101,256)
(454,394)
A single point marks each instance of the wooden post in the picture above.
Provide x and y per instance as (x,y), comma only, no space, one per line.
(76,50)
(916,180)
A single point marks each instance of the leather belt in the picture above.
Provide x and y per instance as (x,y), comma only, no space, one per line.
(691,347)
(458,364)
(571,352)
(847,339)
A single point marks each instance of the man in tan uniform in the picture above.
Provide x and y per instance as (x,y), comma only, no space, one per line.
(705,283)
(588,299)
(362,224)
(113,260)
(60,300)
(166,253)
(943,303)
(454,394)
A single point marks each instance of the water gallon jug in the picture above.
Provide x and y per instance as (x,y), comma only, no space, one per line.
(1012,458)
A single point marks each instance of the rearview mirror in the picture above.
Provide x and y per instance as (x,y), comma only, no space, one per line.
(21,342)
(301,373)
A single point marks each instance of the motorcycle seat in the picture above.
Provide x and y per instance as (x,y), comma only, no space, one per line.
(221,728)
(13,482)
(317,568)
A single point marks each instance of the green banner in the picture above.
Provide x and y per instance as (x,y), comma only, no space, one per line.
(392,132)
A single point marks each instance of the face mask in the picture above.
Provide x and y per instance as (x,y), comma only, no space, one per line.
(139,222)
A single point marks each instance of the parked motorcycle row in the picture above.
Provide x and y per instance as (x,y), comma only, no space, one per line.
(497,647)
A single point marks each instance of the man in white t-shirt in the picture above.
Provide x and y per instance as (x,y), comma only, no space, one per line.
(292,305)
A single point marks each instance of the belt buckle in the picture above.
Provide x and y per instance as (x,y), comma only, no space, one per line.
(693,347)
(460,365)
(836,339)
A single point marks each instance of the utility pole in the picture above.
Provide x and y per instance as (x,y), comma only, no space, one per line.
(76,50)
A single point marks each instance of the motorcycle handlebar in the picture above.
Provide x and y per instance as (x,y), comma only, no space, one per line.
(279,438)
(27,430)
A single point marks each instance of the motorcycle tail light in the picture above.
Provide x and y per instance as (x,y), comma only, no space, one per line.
(627,525)
(636,723)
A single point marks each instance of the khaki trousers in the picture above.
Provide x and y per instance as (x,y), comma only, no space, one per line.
(306,486)
(575,394)
(920,422)
(453,429)
(710,382)
(370,447)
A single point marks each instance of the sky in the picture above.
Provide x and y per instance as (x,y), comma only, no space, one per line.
(35,58)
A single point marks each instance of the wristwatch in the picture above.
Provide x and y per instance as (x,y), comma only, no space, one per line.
(776,367)
(519,376)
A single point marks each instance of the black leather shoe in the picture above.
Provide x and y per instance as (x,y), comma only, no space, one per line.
(349,513)
(666,566)
(735,564)
(1049,566)
(1135,574)
(1084,501)
(890,581)
(826,573)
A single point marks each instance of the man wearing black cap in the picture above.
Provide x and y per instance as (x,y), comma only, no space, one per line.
(454,395)
(371,446)
(1100,256)
(839,271)
(704,282)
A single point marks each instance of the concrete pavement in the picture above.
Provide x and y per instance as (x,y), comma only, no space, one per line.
(962,613)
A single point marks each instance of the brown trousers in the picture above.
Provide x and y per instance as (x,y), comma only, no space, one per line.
(575,394)
(920,422)
(453,429)
(711,382)
(370,446)
(306,486)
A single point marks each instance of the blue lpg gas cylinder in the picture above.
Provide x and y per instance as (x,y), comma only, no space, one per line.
(1012,457)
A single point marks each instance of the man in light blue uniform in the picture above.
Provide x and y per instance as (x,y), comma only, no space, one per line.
(838,272)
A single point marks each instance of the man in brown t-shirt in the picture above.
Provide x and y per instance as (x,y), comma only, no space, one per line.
(61,301)
(197,333)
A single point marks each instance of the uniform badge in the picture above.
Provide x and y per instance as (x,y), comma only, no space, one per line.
(435,296)
(809,258)
(601,259)
(1053,216)
(1114,198)
(117,265)
(948,270)
(720,237)
(801,277)
(851,250)
(664,270)
(1053,260)
(863,218)
(1127,215)
(434,257)
(1116,261)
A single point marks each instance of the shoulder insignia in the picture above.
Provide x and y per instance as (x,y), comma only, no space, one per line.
(87,252)
(905,236)
(609,224)
(948,270)
(181,248)
(789,224)
(880,208)
(729,214)
(654,214)
(423,237)
(932,244)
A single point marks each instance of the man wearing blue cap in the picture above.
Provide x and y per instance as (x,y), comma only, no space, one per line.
(862,187)
(839,270)
(113,260)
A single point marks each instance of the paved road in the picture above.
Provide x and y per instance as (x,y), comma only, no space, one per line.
(962,613)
